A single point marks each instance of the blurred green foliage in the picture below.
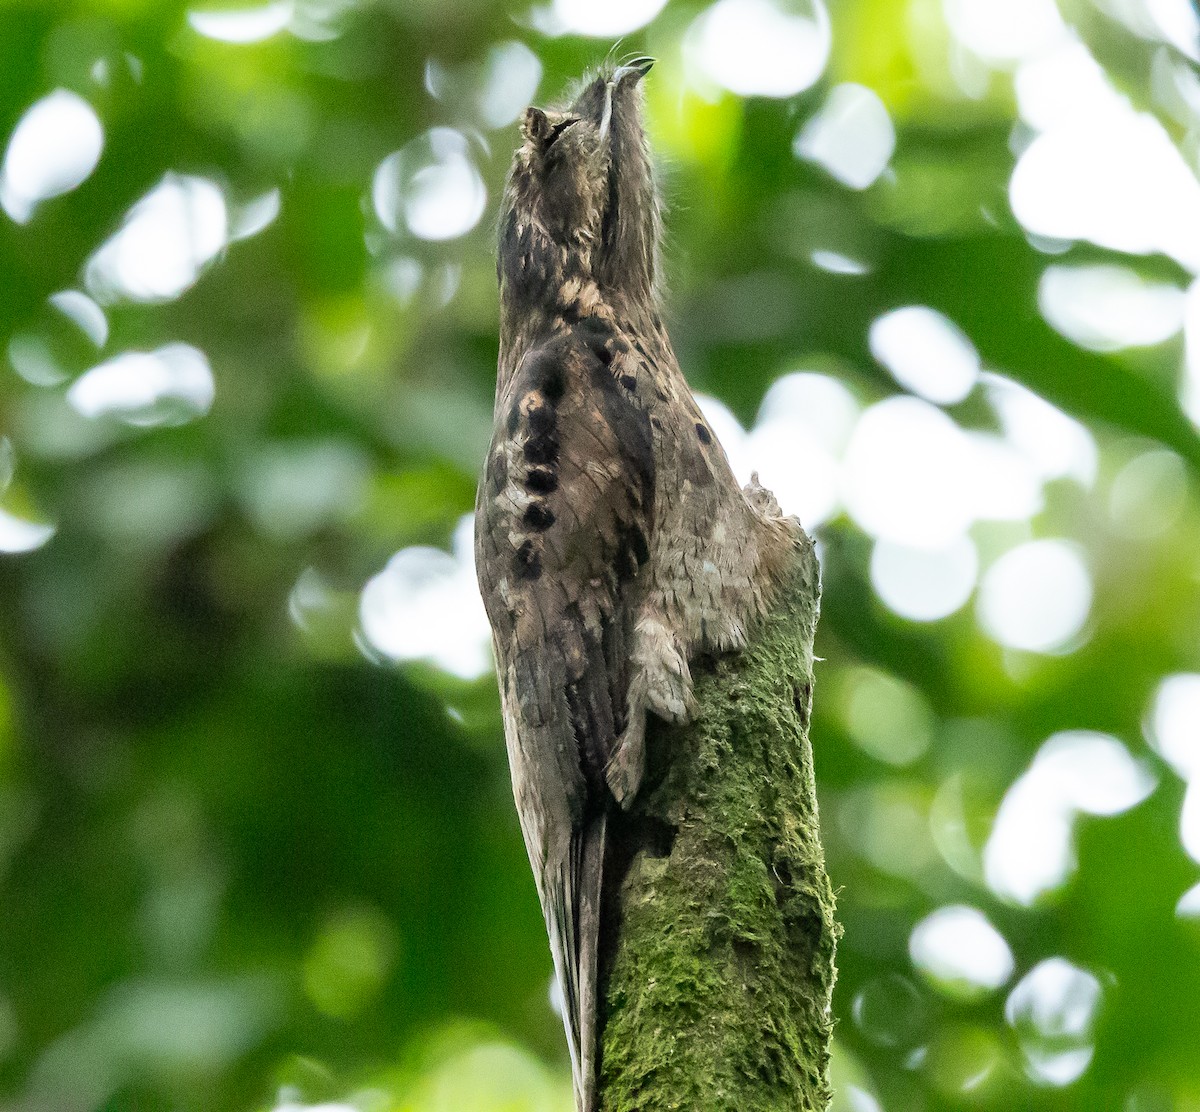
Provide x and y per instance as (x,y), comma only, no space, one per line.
(249,861)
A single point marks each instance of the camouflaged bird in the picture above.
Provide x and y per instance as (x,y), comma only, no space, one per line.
(613,544)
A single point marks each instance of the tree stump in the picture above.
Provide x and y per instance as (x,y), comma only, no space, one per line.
(719,964)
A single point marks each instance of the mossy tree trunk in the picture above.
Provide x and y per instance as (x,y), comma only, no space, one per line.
(720,960)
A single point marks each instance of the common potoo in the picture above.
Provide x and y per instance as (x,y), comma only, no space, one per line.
(613,544)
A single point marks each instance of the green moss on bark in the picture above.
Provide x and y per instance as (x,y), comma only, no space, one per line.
(718,978)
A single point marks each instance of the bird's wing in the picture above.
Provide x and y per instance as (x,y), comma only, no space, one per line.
(563,526)
(564,521)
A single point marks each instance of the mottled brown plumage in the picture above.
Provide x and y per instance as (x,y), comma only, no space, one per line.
(613,544)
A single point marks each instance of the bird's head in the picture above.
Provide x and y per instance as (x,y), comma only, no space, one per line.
(582,184)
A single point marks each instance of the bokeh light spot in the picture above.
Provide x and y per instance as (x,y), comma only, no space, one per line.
(796,444)
(19,535)
(1103,172)
(960,951)
(924,585)
(926,353)
(798,469)
(242,25)
(964,1064)
(165,242)
(1189,387)
(1031,847)
(1107,308)
(887,823)
(1037,596)
(1148,495)
(255,215)
(1056,445)
(495,90)
(1173,725)
(54,148)
(32,359)
(1005,32)
(819,404)
(169,386)
(1065,87)
(771,48)
(84,313)
(512,73)
(425,605)
(1170,21)
(294,487)
(888,1010)
(486,1077)
(885,716)
(851,136)
(834,263)
(605,20)
(1004,483)
(1053,1010)
(431,186)
(906,477)
(1188,906)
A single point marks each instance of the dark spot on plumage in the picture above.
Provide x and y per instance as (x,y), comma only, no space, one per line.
(538,516)
(638,543)
(541,480)
(657,423)
(629,382)
(514,420)
(703,433)
(541,420)
(592,727)
(626,565)
(632,551)
(596,326)
(612,347)
(660,393)
(527,563)
(545,371)
(554,384)
(542,449)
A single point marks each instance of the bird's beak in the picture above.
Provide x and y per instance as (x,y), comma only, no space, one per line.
(629,74)
(634,71)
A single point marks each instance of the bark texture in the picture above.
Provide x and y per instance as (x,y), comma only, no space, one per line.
(720,965)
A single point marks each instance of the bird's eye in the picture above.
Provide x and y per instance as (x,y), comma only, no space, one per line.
(558,129)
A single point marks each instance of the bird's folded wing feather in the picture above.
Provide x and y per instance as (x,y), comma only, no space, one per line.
(564,523)
(563,526)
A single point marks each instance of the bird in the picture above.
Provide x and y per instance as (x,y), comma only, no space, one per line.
(613,545)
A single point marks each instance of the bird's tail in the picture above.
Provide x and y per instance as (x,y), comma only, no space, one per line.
(573,921)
